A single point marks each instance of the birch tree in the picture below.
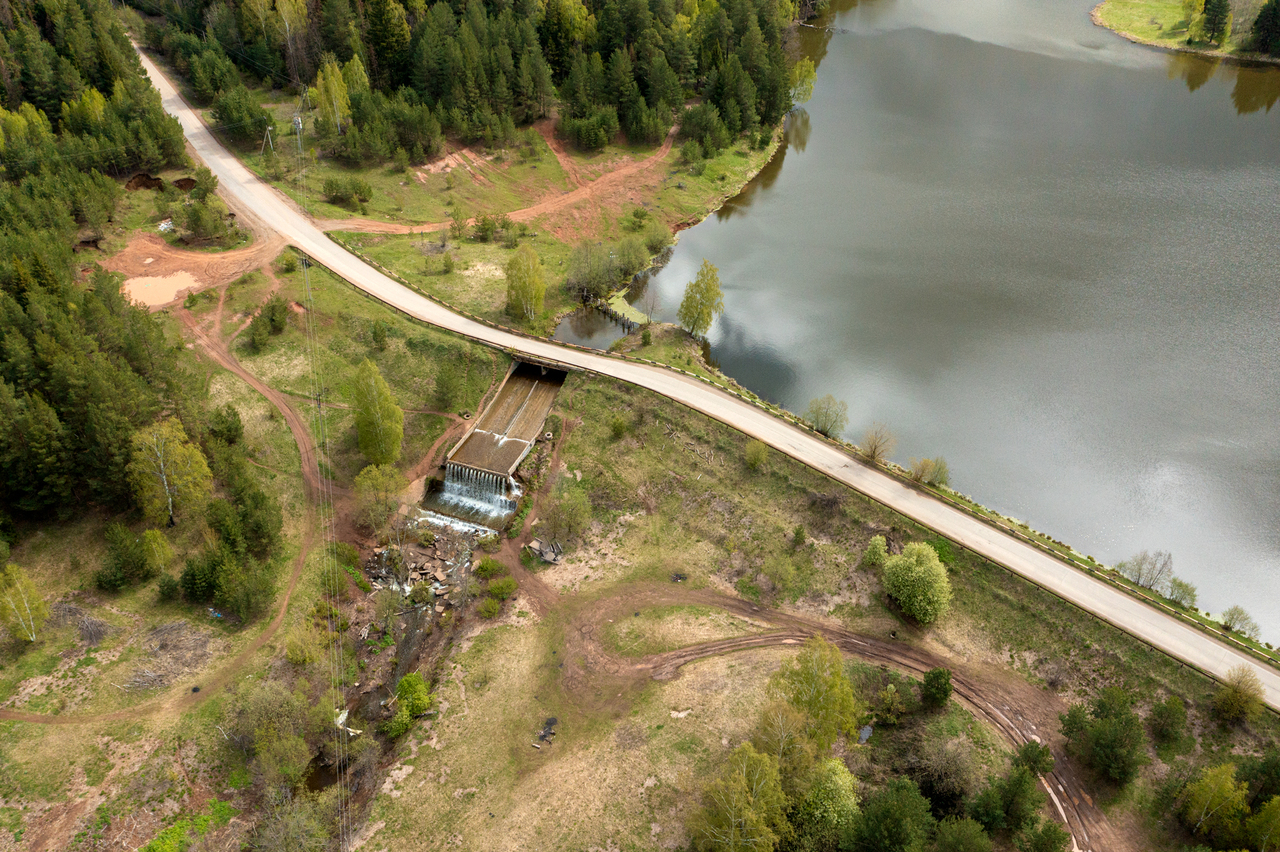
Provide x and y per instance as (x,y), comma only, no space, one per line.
(332,98)
(22,610)
(526,286)
(379,421)
(743,808)
(169,474)
(1215,801)
(815,683)
(703,301)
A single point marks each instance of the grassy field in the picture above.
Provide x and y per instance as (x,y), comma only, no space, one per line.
(344,321)
(1164,23)
(477,283)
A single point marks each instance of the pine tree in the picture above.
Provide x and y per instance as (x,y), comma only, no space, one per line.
(1266,28)
(1217,16)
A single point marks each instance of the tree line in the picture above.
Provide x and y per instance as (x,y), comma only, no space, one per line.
(386,77)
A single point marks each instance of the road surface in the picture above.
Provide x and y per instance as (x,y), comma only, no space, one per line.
(1158,629)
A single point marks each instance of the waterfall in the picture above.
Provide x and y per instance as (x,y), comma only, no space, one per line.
(479,491)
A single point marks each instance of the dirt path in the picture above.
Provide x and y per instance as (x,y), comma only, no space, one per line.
(180,702)
(593,191)
(149,255)
(1018,710)
(547,130)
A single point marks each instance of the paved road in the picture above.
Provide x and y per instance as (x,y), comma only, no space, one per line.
(1160,630)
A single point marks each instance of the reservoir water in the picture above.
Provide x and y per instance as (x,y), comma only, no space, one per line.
(1040,251)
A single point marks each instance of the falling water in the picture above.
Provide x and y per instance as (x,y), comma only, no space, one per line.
(479,492)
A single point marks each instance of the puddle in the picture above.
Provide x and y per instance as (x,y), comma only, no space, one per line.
(158,291)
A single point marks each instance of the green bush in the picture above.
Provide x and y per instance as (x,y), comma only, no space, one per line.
(1169,720)
(169,589)
(876,553)
(488,568)
(489,608)
(646,337)
(1107,736)
(918,581)
(936,689)
(757,453)
(617,427)
(502,588)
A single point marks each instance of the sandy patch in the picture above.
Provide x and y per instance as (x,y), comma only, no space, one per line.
(152,291)
(485,270)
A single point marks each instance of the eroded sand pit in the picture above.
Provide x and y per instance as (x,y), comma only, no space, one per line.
(152,291)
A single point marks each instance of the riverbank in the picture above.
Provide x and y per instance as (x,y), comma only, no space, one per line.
(1163,25)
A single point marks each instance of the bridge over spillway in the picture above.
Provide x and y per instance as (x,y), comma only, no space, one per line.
(502,436)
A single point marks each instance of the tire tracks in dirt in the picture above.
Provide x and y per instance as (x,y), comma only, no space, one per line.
(1018,710)
(607,182)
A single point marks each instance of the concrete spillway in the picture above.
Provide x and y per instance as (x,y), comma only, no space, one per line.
(479,471)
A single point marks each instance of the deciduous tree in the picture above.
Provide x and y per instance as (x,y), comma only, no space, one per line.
(378,489)
(1108,736)
(379,421)
(22,609)
(828,415)
(918,581)
(1240,696)
(1263,827)
(1149,570)
(169,474)
(877,443)
(830,808)
(816,684)
(1215,801)
(742,809)
(703,301)
(1235,618)
(526,285)
(960,835)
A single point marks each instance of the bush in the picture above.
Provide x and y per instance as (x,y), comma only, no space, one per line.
(489,608)
(447,265)
(876,553)
(646,337)
(169,589)
(935,692)
(568,515)
(632,256)
(1108,737)
(918,581)
(127,562)
(225,424)
(488,568)
(757,453)
(896,818)
(1169,720)
(502,588)
(656,237)
(617,427)
(1239,698)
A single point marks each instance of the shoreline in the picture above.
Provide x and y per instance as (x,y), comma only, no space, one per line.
(1243,60)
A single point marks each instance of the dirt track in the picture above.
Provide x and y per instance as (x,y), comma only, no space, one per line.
(1018,710)
(601,187)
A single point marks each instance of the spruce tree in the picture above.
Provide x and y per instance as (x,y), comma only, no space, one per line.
(1266,28)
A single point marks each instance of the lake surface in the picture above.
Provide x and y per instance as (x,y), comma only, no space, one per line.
(1041,252)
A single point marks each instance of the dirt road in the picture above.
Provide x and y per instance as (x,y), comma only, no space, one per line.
(605,185)
(1152,626)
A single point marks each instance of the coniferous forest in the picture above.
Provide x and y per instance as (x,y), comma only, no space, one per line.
(385,78)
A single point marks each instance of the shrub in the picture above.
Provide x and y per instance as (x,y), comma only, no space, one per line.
(1035,758)
(656,237)
(488,568)
(1235,619)
(935,692)
(617,427)
(489,608)
(225,424)
(169,589)
(127,562)
(502,588)
(876,553)
(757,453)
(1239,698)
(568,515)
(646,337)
(1182,593)
(447,265)
(1108,736)
(1169,720)
(918,581)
